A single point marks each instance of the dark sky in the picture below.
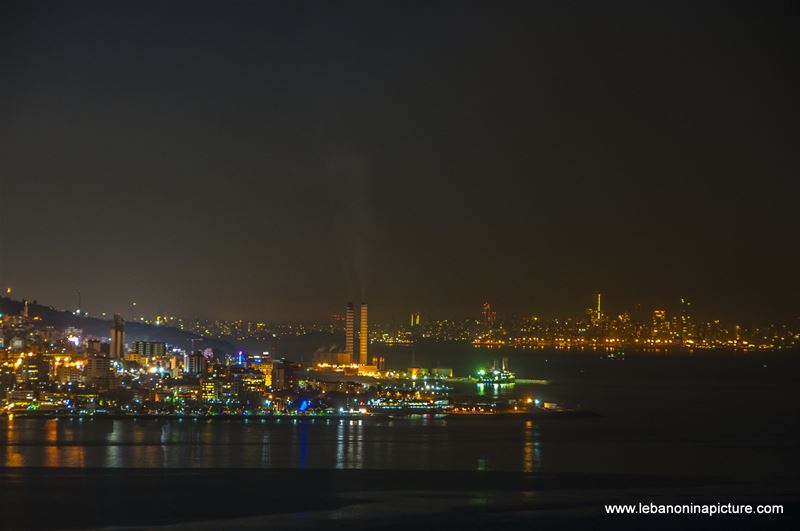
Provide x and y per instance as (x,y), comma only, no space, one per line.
(272,160)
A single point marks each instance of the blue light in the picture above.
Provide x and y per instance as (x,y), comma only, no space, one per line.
(304,405)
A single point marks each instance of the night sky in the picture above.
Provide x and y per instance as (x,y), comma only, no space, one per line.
(273,160)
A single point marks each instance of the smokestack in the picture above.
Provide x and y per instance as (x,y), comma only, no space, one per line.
(117,337)
(363,336)
(349,331)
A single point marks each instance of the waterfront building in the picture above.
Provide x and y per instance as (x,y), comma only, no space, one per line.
(210,389)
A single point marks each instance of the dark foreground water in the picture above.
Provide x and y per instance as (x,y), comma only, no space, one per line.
(712,427)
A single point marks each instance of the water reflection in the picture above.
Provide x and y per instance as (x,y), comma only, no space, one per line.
(265,449)
(302,437)
(527,449)
(404,443)
(340,444)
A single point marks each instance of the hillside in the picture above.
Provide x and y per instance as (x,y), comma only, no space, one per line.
(100,328)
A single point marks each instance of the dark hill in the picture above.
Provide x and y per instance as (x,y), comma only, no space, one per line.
(100,328)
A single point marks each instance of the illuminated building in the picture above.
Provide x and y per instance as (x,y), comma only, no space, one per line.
(660,329)
(349,344)
(69,372)
(415,319)
(98,371)
(595,314)
(117,337)
(251,381)
(599,310)
(94,345)
(209,389)
(442,372)
(488,315)
(33,371)
(150,349)
(283,374)
(417,372)
(363,336)
(136,358)
(686,320)
(263,365)
(20,395)
(195,363)
(249,386)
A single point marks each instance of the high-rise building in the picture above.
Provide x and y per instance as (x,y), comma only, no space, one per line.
(415,319)
(488,315)
(660,328)
(596,313)
(97,368)
(117,337)
(150,349)
(687,326)
(363,336)
(94,345)
(99,372)
(349,330)
(599,309)
(33,371)
(195,363)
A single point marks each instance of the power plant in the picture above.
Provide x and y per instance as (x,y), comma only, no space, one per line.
(363,336)
(117,337)
(349,342)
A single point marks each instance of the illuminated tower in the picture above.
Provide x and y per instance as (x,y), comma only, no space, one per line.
(488,314)
(349,330)
(599,314)
(686,320)
(363,336)
(117,337)
(660,326)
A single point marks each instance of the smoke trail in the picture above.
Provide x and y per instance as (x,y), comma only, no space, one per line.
(354,222)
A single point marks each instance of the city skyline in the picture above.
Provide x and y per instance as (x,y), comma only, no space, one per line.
(403,265)
(270,163)
(485,315)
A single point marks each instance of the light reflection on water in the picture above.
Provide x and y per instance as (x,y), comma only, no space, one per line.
(688,416)
(415,443)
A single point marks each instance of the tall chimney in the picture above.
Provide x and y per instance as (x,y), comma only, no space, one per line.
(117,337)
(363,336)
(349,332)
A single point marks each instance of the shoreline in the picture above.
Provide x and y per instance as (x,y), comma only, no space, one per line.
(544,414)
